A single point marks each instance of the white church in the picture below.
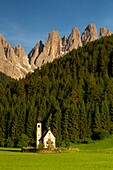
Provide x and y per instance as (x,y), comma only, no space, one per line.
(47,138)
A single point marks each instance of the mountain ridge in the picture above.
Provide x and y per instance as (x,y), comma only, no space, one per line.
(16,64)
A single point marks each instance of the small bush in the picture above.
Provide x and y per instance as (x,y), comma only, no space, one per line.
(50,144)
(65,143)
(24,141)
(41,146)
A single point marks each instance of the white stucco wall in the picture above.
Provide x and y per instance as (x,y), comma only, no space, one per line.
(50,136)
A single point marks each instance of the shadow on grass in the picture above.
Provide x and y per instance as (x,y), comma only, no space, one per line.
(10,150)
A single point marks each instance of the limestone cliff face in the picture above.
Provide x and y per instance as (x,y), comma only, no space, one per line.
(22,58)
(34,54)
(104,32)
(13,61)
(54,47)
(90,34)
(51,50)
(63,46)
(74,40)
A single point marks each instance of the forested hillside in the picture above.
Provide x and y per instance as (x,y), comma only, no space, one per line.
(73,95)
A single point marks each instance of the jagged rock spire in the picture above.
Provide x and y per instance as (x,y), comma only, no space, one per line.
(74,40)
(14,62)
(104,32)
(90,34)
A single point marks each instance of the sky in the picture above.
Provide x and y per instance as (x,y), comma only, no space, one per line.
(26,22)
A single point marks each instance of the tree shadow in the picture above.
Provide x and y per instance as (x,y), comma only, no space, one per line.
(10,150)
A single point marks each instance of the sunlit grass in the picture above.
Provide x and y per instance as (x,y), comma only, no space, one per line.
(94,156)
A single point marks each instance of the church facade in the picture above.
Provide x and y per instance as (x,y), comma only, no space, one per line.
(47,139)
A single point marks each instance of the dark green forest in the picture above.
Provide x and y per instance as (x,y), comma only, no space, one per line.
(73,95)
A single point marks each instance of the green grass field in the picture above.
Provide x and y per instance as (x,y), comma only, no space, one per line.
(94,156)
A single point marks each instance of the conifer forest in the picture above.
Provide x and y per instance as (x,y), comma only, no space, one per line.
(73,95)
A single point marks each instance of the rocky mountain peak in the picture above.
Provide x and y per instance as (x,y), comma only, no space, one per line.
(3,42)
(14,62)
(34,53)
(104,32)
(41,54)
(51,50)
(52,40)
(53,35)
(74,40)
(90,34)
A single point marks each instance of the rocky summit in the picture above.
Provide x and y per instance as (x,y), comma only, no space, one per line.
(14,62)
(90,34)
(51,49)
(74,40)
(104,32)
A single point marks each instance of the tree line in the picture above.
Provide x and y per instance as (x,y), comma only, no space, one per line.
(73,95)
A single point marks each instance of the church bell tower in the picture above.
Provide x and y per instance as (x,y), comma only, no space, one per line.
(38,131)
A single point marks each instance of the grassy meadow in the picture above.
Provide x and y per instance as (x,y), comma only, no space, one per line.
(94,156)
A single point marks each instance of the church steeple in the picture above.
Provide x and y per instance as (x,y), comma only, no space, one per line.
(39,120)
(38,130)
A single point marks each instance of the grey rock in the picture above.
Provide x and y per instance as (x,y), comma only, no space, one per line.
(90,34)
(74,40)
(104,32)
